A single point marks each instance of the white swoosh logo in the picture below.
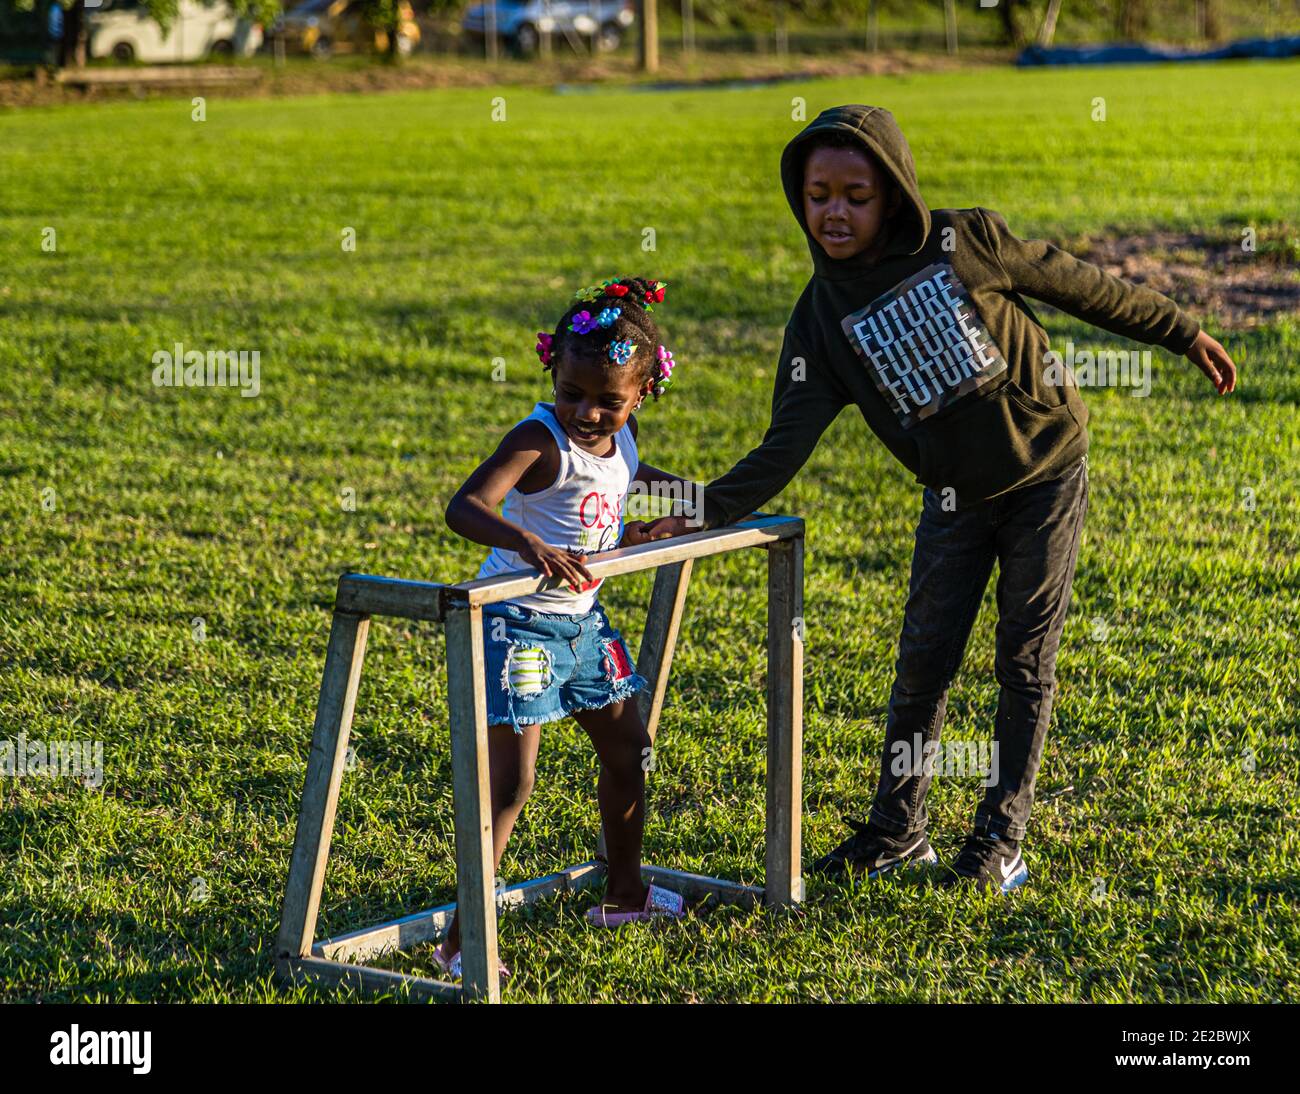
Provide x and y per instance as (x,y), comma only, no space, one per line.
(1008,870)
(901,854)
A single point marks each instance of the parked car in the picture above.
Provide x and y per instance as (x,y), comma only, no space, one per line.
(325,27)
(522,22)
(123,29)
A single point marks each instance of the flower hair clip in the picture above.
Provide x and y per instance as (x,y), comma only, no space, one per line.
(618,287)
(620,351)
(543,347)
(666,365)
(591,293)
(582,323)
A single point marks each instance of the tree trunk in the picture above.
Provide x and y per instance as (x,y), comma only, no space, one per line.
(1010,24)
(72,46)
(1131,18)
(1048,30)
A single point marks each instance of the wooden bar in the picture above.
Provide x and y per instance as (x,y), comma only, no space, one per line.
(761,532)
(467,703)
(427,926)
(159,75)
(329,745)
(367,594)
(757,533)
(785,623)
(697,886)
(330,974)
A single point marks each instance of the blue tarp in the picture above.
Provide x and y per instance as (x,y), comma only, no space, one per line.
(1132,53)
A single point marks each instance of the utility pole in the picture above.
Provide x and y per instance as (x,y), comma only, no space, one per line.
(649,12)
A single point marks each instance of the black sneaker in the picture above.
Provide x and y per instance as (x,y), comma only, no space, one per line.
(988,862)
(873,851)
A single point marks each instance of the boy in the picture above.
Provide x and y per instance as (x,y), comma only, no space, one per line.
(916,316)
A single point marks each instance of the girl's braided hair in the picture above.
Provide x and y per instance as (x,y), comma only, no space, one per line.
(610,325)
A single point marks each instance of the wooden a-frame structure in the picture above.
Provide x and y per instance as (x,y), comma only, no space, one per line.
(300,958)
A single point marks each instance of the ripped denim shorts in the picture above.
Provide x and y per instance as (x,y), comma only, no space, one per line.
(541,667)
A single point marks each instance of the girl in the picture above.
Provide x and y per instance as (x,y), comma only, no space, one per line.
(564,473)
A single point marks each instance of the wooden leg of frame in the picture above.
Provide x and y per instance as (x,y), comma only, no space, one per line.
(329,745)
(785,628)
(663,622)
(475,896)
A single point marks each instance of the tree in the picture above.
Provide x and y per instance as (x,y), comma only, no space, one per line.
(386,15)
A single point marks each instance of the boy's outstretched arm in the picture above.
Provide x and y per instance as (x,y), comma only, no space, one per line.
(657,483)
(1038,269)
(804,403)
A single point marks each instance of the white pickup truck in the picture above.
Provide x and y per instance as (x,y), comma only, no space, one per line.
(124,30)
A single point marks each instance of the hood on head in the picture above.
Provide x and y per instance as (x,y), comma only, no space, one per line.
(879,135)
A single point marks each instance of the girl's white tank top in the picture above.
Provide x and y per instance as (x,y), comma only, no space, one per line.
(582,509)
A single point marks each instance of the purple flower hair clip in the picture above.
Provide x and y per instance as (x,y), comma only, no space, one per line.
(583,323)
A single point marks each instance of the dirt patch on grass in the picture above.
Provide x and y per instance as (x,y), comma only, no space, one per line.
(1243,289)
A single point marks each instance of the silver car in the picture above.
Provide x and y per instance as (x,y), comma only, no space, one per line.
(522,22)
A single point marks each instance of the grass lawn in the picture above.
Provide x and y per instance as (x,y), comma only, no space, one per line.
(170,555)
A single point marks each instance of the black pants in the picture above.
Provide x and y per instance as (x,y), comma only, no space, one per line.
(1033,533)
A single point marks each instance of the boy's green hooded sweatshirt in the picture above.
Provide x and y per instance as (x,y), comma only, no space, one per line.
(933,342)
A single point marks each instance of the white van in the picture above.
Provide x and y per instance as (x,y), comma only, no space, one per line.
(123,29)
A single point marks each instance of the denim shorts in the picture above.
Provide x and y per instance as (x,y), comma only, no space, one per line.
(541,667)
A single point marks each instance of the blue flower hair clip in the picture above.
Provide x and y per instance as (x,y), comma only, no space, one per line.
(621,352)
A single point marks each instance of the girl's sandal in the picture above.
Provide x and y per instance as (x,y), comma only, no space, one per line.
(658,902)
(451,965)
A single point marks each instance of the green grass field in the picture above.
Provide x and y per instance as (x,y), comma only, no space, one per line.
(1164,850)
